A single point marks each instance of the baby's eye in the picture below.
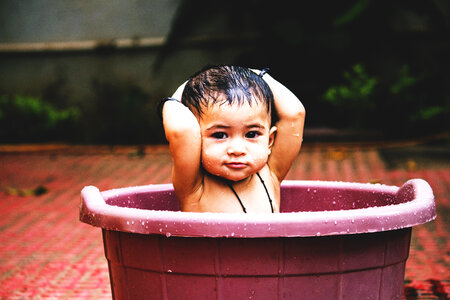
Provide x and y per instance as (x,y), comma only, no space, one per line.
(252,134)
(219,135)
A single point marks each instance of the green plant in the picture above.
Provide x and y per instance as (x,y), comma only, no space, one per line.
(355,95)
(404,80)
(359,87)
(396,104)
(30,119)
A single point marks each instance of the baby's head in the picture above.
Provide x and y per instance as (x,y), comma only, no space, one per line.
(231,85)
(234,107)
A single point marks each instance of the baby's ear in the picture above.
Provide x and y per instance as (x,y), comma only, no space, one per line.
(272,134)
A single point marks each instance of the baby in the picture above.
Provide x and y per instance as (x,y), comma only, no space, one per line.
(229,155)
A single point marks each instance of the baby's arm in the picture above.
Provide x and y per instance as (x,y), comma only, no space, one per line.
(289,134)
(183,133)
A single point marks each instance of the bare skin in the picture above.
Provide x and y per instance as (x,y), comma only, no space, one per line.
(229,144)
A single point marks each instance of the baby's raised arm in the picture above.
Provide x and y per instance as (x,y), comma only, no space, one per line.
(183,133)
(289,134)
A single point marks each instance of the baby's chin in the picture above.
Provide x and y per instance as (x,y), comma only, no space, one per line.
(236,178)
(227,176)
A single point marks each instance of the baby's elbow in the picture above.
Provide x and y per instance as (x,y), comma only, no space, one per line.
(301,111)
(296,112)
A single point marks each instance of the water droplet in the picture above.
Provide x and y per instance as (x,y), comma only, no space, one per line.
(128,222)
(168,234)
(335,222)
(318,234)
(169,271)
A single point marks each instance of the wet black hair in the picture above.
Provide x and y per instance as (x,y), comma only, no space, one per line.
(226,84)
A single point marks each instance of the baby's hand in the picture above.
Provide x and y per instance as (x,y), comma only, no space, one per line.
(179,92)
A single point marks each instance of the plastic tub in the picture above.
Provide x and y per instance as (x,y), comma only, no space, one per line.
(333,240)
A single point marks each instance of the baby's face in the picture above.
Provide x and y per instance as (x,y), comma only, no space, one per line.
(236,139)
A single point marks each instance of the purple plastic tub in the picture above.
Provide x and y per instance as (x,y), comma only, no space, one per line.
(333,240)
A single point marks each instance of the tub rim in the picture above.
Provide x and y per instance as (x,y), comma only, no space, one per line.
(420,209)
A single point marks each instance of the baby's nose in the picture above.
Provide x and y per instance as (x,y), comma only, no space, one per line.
(236,147)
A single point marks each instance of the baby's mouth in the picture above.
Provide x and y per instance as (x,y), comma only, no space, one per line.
(236,165)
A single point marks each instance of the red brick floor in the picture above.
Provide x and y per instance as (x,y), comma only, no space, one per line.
(45,252)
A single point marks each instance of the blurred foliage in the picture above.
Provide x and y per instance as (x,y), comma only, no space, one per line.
(404,80)
(356,97)
(360,98)
(358,64)
(123,114)
(120,115)
(363,64)
(352,13)
(25,118)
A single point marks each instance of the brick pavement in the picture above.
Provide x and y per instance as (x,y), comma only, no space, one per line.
(46,253)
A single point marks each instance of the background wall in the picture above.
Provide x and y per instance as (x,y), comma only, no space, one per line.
(93,71)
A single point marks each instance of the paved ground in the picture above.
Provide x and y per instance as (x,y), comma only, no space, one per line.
(45,252)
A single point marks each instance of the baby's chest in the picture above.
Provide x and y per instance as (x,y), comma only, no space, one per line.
(219,198)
